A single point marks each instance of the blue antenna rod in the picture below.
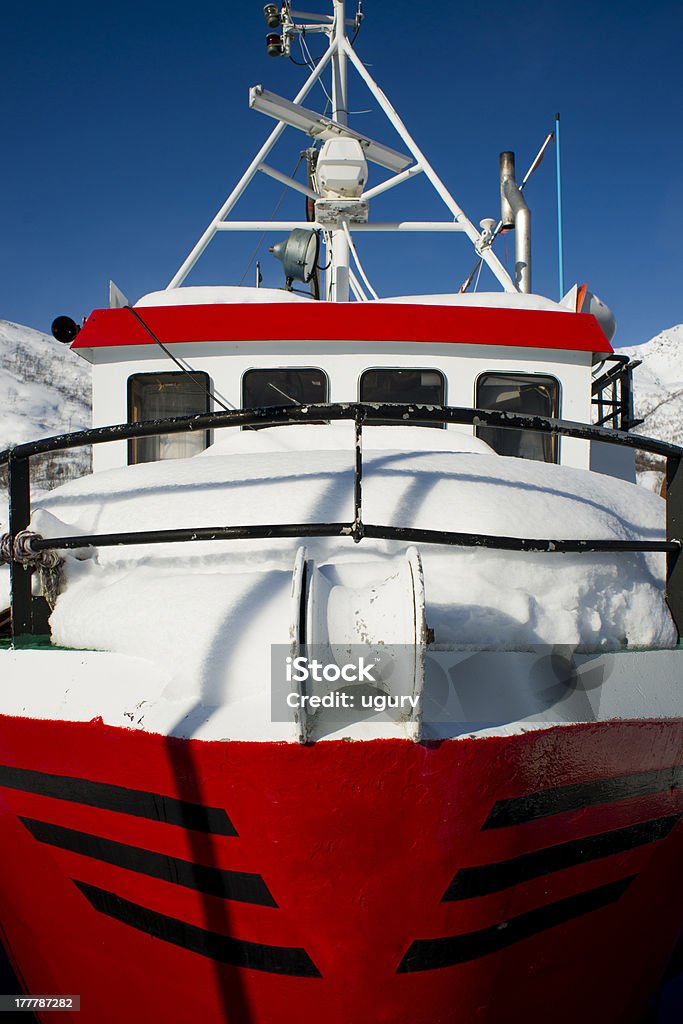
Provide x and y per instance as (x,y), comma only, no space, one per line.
(560,246)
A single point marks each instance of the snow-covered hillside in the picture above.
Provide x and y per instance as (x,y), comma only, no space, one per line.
(659,385)
(44,389)
(44,386)
(658,397)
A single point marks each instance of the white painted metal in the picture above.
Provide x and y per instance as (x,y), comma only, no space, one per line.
(489,257)
(289,225)
(81,685)
(341,170)
(356,259)
(340,93)
(413,225)
(377,609)
(397,179)
(226,362)
(318,126)
(286,180)
(325,18)
(421,638)
(337,277)
(78,686)
(246,178)
(356,287)
(117,300)
(296,631)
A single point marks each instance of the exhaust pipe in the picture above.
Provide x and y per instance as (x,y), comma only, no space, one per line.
(514,213)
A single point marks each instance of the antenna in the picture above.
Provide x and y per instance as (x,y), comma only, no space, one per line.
(560,241)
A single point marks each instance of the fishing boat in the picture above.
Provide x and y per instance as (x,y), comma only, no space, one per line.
(348,685)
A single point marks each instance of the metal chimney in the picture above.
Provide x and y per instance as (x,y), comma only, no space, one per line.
(514,213)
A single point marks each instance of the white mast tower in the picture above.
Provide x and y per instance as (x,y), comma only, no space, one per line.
(340,184)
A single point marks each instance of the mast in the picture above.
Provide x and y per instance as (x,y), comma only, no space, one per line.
(337,277)
(340,214)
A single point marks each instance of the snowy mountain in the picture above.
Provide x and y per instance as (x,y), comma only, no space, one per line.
(44,389)
(659,385)
(658,391)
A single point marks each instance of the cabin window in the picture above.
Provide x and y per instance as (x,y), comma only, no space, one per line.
(528,393)
(409,386)
(297,386)
(153,396)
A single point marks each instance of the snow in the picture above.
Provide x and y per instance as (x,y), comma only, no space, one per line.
(44,387)
(475,597)
(208,294)
(196,621)
(658,385)
(652,480)
(488,300)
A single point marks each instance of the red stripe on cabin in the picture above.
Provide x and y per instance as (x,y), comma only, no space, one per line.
(460,325)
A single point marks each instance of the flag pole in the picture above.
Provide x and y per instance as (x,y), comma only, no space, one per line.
(560,245)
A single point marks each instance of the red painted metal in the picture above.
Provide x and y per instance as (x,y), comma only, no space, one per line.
(322,321)
(357,842)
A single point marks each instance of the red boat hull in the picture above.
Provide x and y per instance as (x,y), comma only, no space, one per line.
(505,878)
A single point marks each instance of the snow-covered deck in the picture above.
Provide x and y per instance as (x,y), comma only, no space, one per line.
(191,626)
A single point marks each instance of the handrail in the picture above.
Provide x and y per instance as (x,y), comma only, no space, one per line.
(18,458)
(284,415)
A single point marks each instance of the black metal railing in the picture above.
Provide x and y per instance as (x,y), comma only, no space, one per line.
(18,459)
(612,394)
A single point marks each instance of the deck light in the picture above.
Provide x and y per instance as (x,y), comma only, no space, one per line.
(298,255)
(271,12)
(273,45)
(64,329)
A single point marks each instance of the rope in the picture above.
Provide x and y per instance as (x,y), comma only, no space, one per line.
(5,549)
(47,563)
(20,551)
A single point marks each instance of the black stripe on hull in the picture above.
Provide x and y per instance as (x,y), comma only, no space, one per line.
(487,878)
(546,802)
(231,885)
(137,802)
(432,954)
(222,948)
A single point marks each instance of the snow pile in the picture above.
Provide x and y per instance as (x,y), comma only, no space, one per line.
(207,612)
(200,295)
(485,300)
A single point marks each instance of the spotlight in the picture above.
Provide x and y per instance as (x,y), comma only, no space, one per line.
(273,45)
(298,255)
(271,12)
(65,329)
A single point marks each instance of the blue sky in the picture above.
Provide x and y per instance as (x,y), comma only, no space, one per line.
(126,125)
